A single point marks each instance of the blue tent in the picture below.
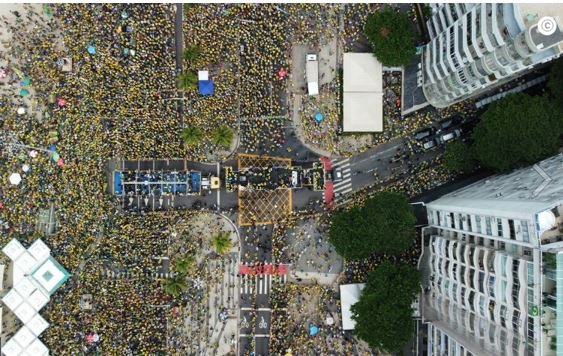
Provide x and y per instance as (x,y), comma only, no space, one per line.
(206,87)
(117,183)
(313,330)
(319,117)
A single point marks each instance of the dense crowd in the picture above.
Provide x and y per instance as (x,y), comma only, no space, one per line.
(118,103)
(298,308)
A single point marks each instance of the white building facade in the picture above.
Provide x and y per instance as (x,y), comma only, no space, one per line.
(483,261)
(475,47)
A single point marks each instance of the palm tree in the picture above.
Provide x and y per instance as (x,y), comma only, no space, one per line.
(184,264)
(223,136)
(191,135)
(191,54)
(176,285)
(222,243)
(188,80)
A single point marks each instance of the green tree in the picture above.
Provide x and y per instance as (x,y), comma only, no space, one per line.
(555,84)
(223,136)
(385,224)
(383,313)
(174,286)
(191,135)
(458,158)
(188,80)
(222,242)
(515,131)
(191,54)
(391,36)
(184,264)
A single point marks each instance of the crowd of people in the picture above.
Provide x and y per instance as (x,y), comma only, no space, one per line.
(118,102)
(306,321)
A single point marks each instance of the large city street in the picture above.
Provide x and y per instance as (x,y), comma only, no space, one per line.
(251,179)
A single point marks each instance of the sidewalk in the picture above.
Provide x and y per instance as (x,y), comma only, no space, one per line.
(327,279)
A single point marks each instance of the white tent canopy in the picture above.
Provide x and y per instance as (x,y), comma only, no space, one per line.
(13,249)
(363,93)
(37,324)
(12,300)
(349,295)
(36,275)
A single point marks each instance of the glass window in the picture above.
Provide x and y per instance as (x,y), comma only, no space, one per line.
(499,227)
(512,230)
(525,233)
(488,225)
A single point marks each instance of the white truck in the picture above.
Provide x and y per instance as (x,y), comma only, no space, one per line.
(312,72)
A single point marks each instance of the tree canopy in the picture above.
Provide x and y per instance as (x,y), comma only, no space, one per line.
(385,224)
(222,242)
(458,158)
(555,83)
(190,55)
(515,131)
(383,313)
(188,80)
(391,36)
(191,135)
(223,136)
(176,285)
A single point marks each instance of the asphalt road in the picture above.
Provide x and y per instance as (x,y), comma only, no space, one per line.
(179,47)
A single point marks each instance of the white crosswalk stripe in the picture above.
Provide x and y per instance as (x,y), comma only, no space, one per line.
(343,186)
(247,284)
(262,283)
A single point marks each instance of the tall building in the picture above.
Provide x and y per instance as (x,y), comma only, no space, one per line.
(492,265)
(476,47)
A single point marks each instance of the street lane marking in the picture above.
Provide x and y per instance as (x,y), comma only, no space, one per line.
(339,163)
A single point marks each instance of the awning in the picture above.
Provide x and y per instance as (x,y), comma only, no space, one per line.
(349,295)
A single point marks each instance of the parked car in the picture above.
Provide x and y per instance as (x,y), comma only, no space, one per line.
(446,123)
(450,135)
(430,144)
(424,133)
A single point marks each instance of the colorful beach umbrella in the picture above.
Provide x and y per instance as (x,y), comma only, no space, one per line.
(24,92)
(91,49)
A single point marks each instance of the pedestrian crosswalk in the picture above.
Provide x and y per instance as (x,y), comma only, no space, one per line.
(259,284)
(344,186)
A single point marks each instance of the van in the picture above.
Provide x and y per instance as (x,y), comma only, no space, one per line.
(450,135)
(430,144)
(424,133)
